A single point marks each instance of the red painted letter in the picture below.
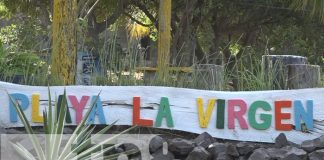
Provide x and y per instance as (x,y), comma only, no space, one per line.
(137,114)
(280,116)
(236,114)
(78,107)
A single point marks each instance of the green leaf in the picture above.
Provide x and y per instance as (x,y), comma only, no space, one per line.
(93,148)
(23,151)
(86,141)
(59,126)
(45,123)
(24,120)
(65,151)
(50,111)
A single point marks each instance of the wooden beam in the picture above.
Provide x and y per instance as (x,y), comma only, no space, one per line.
(171,69)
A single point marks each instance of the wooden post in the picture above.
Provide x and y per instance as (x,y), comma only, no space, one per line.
(275,71)
(209,76)
(150,76)
(303,76)
(164,38)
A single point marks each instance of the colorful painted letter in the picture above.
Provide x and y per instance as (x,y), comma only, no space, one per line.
(78,107)
(164,112)
(232,115)
(23,102)
(266,118)
(301,114)
(36,117)
(97,110)
(61,102)
(205,117)
(280,116)
(137,114)
(220,117)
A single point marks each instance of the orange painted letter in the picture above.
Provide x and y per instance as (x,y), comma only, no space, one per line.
(280,116)
(137,114)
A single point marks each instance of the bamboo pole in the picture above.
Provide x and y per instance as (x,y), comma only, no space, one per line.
(164,39)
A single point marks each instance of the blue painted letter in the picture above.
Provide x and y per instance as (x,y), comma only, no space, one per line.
(22,100)
(97,110)
(300,114)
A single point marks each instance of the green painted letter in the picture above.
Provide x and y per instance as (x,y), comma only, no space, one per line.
(266,118)
(164,112)
(220,113)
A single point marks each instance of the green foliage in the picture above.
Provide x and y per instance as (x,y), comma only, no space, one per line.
(19,62)
(4,11)
(304,38)
(26,35)
(9,36)
(221,25)
(22,67)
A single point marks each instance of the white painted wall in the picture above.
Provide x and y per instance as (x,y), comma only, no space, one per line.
(183,107)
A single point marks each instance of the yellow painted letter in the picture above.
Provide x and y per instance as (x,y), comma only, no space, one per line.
(205,117)
(35,109)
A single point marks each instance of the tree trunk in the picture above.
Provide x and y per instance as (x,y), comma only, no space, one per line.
(184,39)
(275,68)
(64,41)
(303,76)
(164,39)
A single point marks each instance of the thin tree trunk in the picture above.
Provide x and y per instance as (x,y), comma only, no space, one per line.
(164,38)
(64,40)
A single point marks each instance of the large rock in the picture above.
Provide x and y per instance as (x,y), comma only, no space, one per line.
(308,145)
(319,142)
(259,154)
(132,149)
(316,155)
(159,154)
(68,130)
(242,158)
(204,140)
(276,153)
(122,157)
(223,156)
(198,153)
(294,144)
(180,147)
(156,143)
(296,151)
(229,149)
(281,140)
(245,148)
(291,157)
(232,150)
(114,151)
(216,148)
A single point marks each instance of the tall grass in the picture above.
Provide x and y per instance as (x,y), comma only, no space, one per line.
(253,75)
(118,62)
